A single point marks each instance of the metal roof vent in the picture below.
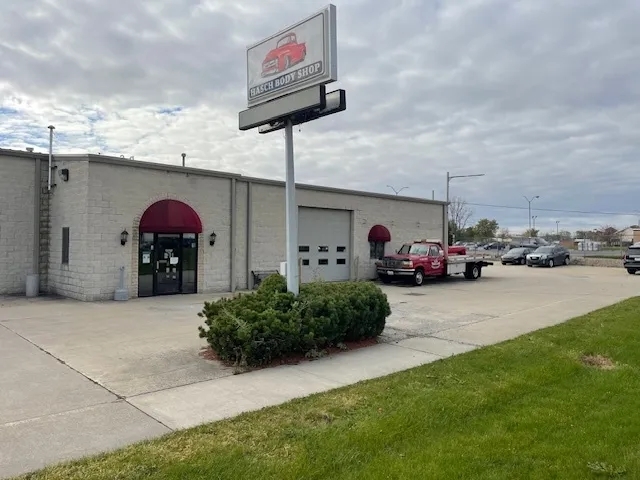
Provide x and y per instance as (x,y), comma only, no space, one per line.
(30,149)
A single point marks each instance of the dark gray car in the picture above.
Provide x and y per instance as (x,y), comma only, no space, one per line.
(549,256)
(516,256)
(631,259)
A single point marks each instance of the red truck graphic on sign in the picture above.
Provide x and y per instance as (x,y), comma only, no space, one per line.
(287,53)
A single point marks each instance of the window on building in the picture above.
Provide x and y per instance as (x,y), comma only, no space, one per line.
(65,245)
(323,261)
(378,236)
(341,261)
(376,250)
(305,262)
(303,248)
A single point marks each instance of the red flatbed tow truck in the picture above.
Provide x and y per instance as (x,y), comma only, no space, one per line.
(426,258)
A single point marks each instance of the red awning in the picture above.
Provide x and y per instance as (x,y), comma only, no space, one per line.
(170,216)
(379,233)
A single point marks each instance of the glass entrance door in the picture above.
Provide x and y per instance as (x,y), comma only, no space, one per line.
(168,263)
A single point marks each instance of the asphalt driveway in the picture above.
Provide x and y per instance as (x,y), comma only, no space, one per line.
(81,378)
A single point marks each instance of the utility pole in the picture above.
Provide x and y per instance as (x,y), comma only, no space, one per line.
(530,200)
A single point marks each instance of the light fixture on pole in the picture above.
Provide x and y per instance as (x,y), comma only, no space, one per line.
(534,221)
(530,200)
(446,210)
(396,191)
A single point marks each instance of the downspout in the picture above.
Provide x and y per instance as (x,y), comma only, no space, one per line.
(32,286)
(51,129)
(232,243)
(36,217)
(249,234)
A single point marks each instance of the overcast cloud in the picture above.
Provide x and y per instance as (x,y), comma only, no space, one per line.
(542,96)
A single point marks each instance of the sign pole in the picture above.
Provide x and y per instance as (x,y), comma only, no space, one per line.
(292,212)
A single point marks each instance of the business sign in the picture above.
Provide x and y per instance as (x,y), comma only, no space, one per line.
(298,57)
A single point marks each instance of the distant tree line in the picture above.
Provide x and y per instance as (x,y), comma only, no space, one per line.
(461,228)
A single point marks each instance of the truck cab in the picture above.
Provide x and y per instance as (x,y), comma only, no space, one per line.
(421,257)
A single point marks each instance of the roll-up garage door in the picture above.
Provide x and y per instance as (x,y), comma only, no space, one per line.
(323,239)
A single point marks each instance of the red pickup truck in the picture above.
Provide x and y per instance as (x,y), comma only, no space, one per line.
(426,258)
(287,53)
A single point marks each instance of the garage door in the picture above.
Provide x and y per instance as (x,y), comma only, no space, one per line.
(323,239)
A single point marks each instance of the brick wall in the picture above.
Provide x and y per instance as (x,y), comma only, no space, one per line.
(17,188)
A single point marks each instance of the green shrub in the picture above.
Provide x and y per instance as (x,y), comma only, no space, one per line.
(253,329)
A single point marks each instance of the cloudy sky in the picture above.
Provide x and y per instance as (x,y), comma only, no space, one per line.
(542,96)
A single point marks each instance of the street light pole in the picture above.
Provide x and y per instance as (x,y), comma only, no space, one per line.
(396,191)
(534,221)
(530,200)
(558,229)
(446,209)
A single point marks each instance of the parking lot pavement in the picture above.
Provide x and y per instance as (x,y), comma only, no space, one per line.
(78,378)
(506,302)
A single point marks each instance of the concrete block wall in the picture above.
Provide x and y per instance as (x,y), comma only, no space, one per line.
(406,220)
(68,208)
(119,196)
(45,226)
(17,217)
(242,192)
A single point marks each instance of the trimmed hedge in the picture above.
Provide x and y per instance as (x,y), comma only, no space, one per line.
(253,329)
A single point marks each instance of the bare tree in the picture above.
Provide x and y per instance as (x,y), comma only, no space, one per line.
(459,213)
(504,234)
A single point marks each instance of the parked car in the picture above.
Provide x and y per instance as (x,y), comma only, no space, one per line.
(549,256)
(631,260)
(516,256)
(495,246)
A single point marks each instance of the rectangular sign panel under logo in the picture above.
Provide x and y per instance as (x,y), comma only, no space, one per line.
(293,59)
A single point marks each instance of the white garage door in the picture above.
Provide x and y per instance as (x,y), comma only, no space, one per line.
(323,239)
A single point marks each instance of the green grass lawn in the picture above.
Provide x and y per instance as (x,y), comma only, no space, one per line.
(528,408)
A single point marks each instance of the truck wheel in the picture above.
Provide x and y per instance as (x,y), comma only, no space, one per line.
(418,278)
(472,272)
(631,271)
(384,279)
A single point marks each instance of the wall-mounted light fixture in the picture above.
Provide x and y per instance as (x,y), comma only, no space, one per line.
(64,174)
(212,239)
(124,236)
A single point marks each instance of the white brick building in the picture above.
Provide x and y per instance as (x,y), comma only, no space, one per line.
(71,236)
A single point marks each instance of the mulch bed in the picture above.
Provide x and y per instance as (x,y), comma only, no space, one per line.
(296,358)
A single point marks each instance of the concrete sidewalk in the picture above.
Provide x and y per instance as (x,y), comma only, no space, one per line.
(78,379)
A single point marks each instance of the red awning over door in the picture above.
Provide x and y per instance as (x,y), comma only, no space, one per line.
(379,233)
(170,216)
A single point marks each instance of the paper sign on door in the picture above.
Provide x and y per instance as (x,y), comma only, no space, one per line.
(173,260)
(146,257)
